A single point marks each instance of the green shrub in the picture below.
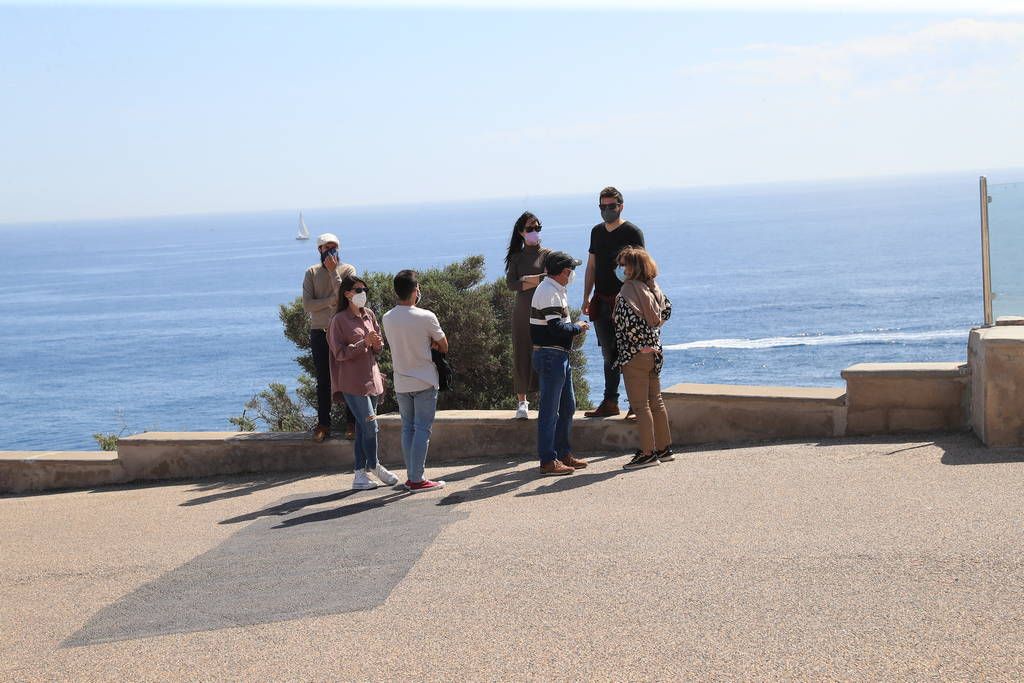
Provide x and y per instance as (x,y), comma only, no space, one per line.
(476,316)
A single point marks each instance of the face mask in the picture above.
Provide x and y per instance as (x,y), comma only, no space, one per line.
(532,238)
(572,276)
(620,272)
(329,252)
(610,215)
(359,299)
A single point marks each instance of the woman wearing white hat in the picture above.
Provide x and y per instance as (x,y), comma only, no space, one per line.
(319,299)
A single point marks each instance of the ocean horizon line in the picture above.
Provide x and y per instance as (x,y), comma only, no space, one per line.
(823,183)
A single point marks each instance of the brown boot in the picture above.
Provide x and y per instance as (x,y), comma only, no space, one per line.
(321,433)
(572,461)
(554,469)
(606,409)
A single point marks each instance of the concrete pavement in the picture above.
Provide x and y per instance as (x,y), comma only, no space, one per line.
(855,559)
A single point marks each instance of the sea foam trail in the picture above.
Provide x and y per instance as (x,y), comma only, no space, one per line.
(859,338)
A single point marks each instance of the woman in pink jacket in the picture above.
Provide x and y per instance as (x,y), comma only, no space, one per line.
(355,342)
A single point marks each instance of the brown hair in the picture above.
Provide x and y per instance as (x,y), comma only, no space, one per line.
(637,260)
(610,192)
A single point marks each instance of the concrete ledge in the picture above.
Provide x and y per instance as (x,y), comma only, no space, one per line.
(708,413)
(888,398)
(996,355)
(950,370)
(23,471)
(171,455)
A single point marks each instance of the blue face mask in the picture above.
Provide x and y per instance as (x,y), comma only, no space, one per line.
(620,272)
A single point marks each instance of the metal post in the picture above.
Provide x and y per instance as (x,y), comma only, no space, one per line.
(986,268)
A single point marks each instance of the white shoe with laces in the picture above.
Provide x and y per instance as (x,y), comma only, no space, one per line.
(361,482)
(385,475)
(523,412)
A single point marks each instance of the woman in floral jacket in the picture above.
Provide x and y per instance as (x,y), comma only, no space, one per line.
(640,310)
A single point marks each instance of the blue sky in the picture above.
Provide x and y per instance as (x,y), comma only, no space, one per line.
(128,111)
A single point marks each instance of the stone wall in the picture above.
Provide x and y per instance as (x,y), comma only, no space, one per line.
(887,398)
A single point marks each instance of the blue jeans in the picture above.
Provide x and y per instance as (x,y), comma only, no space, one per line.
(417,410)
(557,404)
(364,408)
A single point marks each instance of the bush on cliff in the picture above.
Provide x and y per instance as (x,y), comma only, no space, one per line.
(476,316)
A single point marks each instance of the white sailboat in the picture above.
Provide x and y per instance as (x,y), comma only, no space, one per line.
(303,230)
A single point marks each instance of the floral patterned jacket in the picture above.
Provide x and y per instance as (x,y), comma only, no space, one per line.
(632,332)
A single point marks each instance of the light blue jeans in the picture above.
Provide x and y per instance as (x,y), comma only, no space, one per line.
(417,409)
(365,445)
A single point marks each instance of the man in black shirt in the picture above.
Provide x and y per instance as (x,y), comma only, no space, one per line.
(607,239)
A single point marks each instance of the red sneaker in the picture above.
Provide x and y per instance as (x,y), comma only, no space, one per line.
(425,485)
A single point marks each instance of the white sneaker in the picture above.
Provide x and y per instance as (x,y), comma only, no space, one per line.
(523,412)
(362,482)
(385,475)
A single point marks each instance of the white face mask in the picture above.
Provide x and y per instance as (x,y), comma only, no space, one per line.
(359,299)
(572,276)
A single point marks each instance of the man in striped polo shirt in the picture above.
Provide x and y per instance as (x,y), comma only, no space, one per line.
(552,332)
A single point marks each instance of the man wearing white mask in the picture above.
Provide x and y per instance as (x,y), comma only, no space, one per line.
(320,301)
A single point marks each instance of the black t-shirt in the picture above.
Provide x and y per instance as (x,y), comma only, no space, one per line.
(605,246)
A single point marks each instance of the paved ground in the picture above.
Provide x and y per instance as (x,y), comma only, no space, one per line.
(852,560)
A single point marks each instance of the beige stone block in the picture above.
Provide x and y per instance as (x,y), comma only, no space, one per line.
(24,471)
(704,420)
(905,392)
(919,420)
(860,421)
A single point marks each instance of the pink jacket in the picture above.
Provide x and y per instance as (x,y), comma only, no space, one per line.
(353,363)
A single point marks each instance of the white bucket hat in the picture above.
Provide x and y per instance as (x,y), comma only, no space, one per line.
(327,238)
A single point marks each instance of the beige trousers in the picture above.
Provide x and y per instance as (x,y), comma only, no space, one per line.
(643,386)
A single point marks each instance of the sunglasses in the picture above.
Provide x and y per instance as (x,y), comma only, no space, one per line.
(607,206)
(532,228)
(360,290)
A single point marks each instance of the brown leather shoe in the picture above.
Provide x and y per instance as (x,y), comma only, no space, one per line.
(321,433)
(555,469)
(606,409)
(573,462)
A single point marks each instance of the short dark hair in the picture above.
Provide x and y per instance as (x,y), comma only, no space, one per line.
(610,192)
(405,284)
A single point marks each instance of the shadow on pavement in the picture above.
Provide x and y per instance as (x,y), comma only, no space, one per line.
(344,510)
(290,506)
(237,488)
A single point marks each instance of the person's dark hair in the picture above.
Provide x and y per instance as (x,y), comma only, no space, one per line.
(405,284)
(516,244)
(347,285)
(610,192)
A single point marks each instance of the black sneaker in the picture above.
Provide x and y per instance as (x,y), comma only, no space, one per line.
(666,455)
(640,461)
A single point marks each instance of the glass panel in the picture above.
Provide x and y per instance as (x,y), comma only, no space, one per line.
(1006,248)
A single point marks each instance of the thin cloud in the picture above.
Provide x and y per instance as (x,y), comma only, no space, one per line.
(943,56)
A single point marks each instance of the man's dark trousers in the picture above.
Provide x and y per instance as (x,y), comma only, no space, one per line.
(322,362)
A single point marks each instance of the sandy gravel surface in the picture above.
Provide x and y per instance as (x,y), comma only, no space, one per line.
(855,560)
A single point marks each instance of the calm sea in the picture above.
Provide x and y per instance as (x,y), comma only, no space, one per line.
(171,323)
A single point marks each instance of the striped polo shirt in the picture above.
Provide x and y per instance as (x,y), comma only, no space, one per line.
(550,324)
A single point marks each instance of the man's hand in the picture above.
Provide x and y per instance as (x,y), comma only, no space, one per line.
(331,263)
(374,339)
(584,325)
(586,307)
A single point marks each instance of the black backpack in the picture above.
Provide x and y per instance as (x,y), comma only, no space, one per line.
(445,372)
